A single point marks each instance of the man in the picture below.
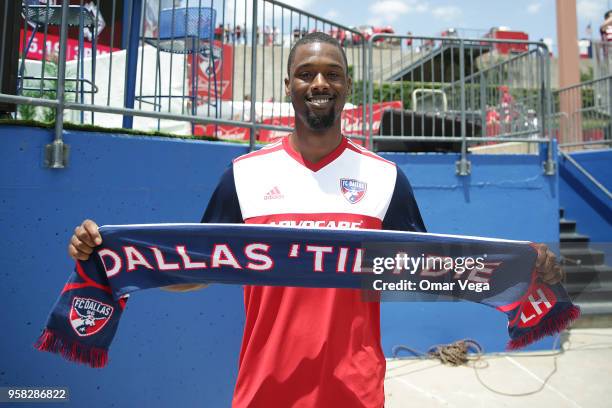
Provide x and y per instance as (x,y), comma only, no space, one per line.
(305,347)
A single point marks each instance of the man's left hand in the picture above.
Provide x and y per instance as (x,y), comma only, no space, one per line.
(548,269)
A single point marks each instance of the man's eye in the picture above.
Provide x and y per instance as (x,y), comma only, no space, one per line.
(333,75)
(304,75)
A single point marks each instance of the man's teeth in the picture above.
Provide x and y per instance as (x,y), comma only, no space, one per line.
(320,100)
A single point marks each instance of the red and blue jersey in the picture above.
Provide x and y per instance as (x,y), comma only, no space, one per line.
(312,347)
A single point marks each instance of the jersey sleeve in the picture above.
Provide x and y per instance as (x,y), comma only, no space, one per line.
(224,207)
(403,213)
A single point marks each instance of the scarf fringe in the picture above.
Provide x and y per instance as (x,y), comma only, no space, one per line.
(549,327)
(53,342)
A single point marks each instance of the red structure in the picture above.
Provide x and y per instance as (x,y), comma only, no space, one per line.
(502,33)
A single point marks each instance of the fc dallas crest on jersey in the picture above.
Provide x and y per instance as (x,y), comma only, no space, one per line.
(88,316)
(353,190)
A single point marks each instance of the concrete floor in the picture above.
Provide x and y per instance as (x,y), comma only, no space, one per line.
(578,376)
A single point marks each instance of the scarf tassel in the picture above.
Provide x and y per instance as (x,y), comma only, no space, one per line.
(551,326)
(71,350)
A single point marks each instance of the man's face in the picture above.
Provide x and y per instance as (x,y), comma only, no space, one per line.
(318,84)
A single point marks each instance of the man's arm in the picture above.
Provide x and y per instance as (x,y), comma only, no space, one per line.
(224,207)
(403,213)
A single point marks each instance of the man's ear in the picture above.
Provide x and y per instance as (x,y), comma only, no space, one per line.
(349,86)
(287,87)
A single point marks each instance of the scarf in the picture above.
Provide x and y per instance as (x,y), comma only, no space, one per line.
(385,264)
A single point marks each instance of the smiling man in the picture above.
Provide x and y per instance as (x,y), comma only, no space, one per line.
(318,100)
(306,347)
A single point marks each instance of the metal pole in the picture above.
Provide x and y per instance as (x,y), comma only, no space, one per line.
(463,166)
(364,95)
(132,61)
(483,107)
(370,79)
(125,32)
(253,76)
(81,62)
(609,102)
(56,153)
(549,165)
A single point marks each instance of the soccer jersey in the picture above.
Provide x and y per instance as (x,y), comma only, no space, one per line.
(306,347)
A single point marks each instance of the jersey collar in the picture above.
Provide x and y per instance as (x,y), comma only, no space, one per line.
(333,155)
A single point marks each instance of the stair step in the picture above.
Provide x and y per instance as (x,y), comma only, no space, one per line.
(566,225)
(595,308)
(595,286)
(578,256)
(573,240)
(595,291)
(573,237)
(581,273)
(593,314)
(591,297)
(580,245)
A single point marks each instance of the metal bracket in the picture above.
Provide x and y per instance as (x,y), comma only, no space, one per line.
(463,167)
(550,167)
(56,155)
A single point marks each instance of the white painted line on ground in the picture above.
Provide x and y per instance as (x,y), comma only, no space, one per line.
(424,392)
(547,385)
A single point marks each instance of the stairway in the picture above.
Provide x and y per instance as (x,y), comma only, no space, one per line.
(588,279)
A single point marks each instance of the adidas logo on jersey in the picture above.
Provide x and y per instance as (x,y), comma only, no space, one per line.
(274,194)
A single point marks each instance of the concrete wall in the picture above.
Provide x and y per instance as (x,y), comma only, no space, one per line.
(182,349)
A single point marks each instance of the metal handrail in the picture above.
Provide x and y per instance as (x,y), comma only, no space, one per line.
(586,174)
(589,143)
(458,39)
(94,88)
(313,16)
(542,132)
(136,112)
(585,83)
(457,139)
(430,91)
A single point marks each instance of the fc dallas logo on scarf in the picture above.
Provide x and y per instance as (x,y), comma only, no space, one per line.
(88,316)
(353,190)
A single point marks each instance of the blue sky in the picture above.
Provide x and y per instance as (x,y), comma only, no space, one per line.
(430,17)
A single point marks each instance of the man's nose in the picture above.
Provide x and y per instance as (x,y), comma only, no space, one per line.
(319,82)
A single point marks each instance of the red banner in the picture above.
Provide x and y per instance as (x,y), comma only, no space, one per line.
(222,132)
(223,66)
(271,135)
(35,52)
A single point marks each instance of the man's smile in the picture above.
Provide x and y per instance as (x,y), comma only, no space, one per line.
(320,101)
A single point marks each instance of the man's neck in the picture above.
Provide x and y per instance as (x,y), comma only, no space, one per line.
(314,146)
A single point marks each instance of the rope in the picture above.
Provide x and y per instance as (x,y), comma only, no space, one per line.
(457,354)
(453,354)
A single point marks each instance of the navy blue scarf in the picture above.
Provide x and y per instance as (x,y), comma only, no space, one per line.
(84,319)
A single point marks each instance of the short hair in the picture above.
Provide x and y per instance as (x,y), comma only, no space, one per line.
(316,37)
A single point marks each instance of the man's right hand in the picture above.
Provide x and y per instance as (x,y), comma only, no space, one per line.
(85,238)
